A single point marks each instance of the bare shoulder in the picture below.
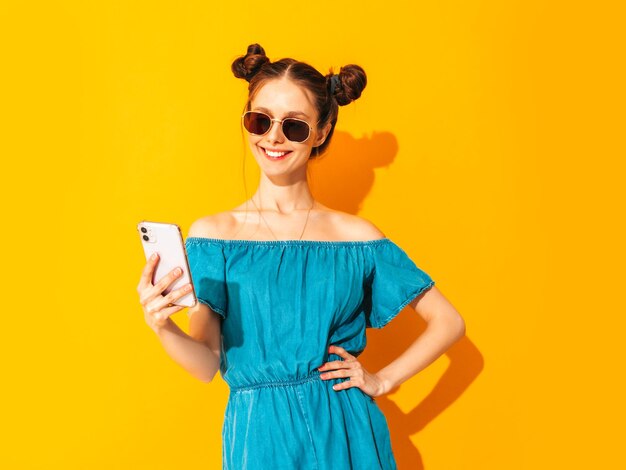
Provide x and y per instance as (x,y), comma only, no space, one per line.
(353,227)
(212,226)
(329,224)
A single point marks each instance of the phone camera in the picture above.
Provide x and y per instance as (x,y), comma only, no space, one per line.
(144,230)
(146,237)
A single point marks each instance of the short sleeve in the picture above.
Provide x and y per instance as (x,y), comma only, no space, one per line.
(393,282)
(207,266)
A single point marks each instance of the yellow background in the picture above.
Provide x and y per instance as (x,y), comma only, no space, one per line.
(488,144)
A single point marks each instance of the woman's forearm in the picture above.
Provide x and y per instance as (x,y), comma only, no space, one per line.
(192,355)
(438,336)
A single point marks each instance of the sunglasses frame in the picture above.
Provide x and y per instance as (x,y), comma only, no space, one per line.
(281,121)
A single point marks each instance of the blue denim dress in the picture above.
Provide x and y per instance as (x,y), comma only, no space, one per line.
(283,303)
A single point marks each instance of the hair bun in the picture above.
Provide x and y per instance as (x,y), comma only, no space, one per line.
(248,65)
(352,82)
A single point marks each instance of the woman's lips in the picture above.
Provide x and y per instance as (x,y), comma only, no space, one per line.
(282,157)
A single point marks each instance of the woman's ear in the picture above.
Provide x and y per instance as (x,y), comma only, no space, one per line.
(322,135)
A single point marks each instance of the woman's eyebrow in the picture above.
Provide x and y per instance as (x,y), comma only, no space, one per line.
(290,113)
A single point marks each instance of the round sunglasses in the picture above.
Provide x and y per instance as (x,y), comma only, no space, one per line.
(257,123)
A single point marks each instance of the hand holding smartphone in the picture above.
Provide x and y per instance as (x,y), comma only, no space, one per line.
(167,240)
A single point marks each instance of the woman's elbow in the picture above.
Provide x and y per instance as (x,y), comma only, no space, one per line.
(459,326)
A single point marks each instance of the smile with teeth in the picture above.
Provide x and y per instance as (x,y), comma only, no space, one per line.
(273,154)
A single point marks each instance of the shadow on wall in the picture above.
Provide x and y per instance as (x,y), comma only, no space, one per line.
(344,175)
(383,346)
(341,179)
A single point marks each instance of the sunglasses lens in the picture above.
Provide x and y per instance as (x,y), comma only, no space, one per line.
(259,123)
(296,131)
(256,123)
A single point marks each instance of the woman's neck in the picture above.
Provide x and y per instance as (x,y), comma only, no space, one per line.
(284,200)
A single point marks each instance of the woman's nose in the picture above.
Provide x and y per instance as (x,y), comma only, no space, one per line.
(275,134)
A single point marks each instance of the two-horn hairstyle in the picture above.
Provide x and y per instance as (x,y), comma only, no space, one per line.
(256,68)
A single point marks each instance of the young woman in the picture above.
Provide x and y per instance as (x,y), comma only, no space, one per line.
(285,296)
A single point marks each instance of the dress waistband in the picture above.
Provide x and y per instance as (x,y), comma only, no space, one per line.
(314,375)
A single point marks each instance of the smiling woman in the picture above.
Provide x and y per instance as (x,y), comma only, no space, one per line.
(275,310)
(311,96)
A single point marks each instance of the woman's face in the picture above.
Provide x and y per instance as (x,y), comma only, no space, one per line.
(281,98)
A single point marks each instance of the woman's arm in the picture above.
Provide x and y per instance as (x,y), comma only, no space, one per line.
(445,327)
(199,352)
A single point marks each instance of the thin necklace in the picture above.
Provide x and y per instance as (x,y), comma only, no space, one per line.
(270,229)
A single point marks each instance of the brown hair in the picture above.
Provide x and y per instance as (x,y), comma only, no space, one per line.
(256,68)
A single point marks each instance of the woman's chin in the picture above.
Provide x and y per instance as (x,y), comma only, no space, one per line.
(278,167)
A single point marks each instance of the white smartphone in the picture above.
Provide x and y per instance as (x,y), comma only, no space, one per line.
(167,240)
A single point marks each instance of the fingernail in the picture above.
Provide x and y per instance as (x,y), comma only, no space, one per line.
(154,255)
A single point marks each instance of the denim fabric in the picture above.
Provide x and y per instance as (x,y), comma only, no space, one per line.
(283,303)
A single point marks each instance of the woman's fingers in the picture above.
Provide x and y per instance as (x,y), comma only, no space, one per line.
(354,372)
(349,384)
(368,383)
(349,367)
(341,352)
(161,316)
(146,274)
(166,281)
(157,307)
(335,365)
(150,292)
(337,374)
(164,301)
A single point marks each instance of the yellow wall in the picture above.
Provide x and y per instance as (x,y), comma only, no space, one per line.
(488,143)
